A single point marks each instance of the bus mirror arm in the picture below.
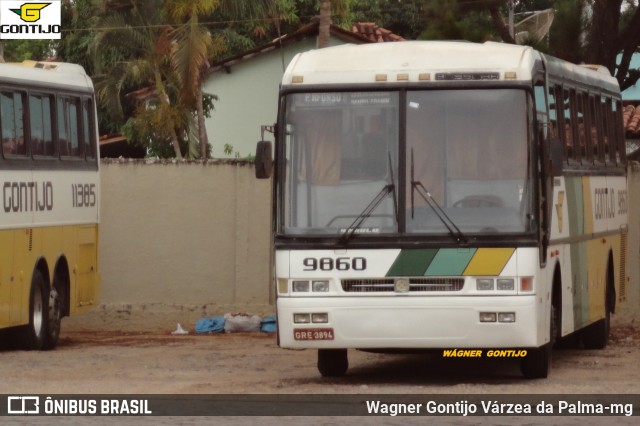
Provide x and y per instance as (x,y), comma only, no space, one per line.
(554,160)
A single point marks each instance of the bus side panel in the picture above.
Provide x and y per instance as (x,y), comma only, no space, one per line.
(6,277)
(87,266)
(620,222)
(590,216)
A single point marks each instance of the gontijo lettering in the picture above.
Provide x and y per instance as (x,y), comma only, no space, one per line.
(27,196)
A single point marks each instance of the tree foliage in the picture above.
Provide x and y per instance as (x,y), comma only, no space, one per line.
(583,31)
(129,45)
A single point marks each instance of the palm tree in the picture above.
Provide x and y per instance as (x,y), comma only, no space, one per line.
(135,41)
(193,45)
(327,9)
(162,44)
(325,23)
(190,56)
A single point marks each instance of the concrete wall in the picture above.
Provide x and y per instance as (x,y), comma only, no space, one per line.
(182,240)
(631,311)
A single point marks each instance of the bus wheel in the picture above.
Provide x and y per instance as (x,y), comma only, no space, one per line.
(537,363)
(36,330)
(54,317)
(332,362)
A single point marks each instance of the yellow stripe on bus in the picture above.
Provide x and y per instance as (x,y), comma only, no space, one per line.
(489,261)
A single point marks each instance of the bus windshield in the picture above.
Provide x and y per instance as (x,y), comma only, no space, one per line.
(466,164)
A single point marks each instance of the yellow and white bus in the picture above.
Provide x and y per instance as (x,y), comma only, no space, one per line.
(50,199)
(446,195)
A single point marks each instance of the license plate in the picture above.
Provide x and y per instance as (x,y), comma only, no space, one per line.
(313,333)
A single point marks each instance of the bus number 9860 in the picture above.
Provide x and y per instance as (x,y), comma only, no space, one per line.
(340,264)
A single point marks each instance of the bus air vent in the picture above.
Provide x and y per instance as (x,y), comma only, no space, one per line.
(378,285)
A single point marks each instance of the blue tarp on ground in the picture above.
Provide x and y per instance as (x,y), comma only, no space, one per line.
(210,325)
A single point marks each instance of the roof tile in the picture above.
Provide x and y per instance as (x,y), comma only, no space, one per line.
(373,32)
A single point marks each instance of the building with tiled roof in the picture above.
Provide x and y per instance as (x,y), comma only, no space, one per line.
(631,119)
(631,114)
(631,125)
(247,84)
(373,32)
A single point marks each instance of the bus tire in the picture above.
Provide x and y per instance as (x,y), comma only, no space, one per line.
(332,362)
(54,318)
(537,363)
(34,334)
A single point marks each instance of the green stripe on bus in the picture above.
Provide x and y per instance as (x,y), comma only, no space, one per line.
(575,205)
(450,262)
(578,273)
(411,263)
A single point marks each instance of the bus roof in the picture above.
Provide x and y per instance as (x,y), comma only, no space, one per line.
(46,74)
(428,61)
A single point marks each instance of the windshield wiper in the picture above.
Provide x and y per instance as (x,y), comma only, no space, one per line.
(390,188)
(416,185)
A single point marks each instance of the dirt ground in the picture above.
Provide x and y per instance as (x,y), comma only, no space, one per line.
(96,362)
(101,362)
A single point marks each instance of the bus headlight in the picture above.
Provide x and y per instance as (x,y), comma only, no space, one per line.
(301,318)
(488,317)
(320,318)
(506,317)
(320,286)
(506,284)
(484,284)
(300,286)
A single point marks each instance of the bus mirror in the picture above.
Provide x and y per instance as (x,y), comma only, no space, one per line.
(264,160)
(555,157)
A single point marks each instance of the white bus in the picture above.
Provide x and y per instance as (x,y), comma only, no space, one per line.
(446,195)
(50,199)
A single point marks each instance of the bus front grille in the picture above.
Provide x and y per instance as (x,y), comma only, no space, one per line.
(378,285)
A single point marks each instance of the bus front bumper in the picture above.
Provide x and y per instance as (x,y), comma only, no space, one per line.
(413,322)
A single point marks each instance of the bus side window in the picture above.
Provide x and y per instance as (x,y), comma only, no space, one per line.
(563,113)
(11,107)
(596,131)
(541,111)
(620,147)
(605,110)
(69,127)
(581,123)
(573,129)
(568,122)
(87,129)
(40,119)
(553,114)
